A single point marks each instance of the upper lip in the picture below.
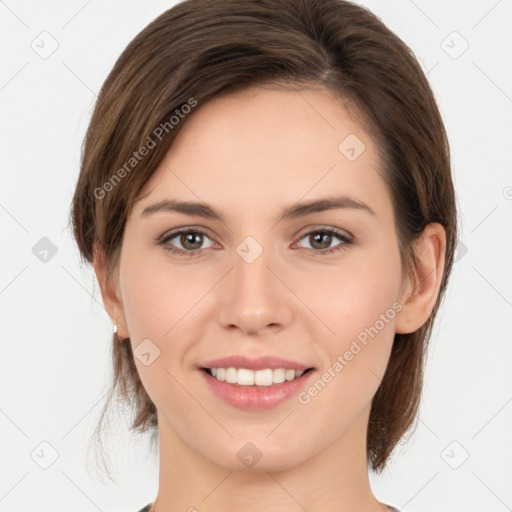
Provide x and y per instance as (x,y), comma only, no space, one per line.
(258,363)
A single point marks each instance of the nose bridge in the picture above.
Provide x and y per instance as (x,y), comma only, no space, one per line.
(255,298)
(252,262)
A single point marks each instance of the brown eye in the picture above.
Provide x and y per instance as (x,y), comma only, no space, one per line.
(321,241)
(191,240)
(186,242)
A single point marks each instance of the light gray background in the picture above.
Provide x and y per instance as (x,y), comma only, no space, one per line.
(55,363)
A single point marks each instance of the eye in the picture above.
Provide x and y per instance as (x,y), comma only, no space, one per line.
(322,239)
(190,240)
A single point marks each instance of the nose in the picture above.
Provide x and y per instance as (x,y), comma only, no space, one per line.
(254,297)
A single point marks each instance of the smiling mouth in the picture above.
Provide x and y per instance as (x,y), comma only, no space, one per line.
(255,378)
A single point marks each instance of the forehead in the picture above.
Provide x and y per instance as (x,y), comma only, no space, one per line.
(272,146)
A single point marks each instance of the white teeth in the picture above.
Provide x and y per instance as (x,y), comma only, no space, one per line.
(231,375)
(278,375)
(245,377)
(263,377)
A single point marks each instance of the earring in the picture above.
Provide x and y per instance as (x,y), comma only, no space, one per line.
(115,328)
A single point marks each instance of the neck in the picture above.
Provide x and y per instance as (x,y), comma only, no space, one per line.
(334,480)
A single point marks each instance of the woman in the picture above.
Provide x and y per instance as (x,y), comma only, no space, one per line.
(266,198)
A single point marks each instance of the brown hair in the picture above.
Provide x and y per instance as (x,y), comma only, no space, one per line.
(200,49)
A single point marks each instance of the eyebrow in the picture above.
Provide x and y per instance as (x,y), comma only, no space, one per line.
(291,212)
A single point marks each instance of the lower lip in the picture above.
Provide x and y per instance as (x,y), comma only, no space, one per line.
(252,398)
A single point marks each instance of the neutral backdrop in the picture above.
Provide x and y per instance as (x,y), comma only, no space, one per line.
(55,334)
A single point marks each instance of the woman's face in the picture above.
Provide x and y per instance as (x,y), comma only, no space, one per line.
(255,283)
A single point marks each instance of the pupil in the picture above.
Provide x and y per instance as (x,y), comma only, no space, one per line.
(326,243)
(188,239)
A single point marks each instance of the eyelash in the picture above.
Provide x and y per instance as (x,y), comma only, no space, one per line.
(164,240)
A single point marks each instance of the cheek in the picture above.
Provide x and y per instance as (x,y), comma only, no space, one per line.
(351,297)
(165,304)
(359,308)
(159,298)
(159,304)
(361,313)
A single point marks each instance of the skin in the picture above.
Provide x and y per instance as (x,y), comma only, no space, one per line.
(250,155)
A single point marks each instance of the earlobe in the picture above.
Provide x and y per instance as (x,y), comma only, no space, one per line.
(113,304)
(419,298)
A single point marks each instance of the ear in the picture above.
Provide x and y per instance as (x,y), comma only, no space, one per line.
(109,292)
(419,297)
